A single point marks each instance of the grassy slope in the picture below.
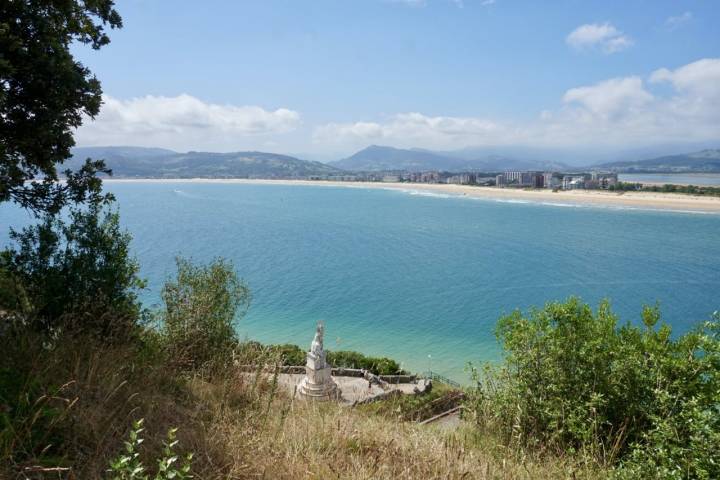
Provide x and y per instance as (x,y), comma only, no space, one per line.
(236,429)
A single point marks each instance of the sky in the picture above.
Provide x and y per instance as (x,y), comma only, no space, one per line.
(324,78)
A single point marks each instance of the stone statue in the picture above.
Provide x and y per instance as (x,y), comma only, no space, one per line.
(318,383)
(316,347)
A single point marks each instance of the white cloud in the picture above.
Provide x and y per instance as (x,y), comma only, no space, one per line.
(699,79)
(671,23)
(610,97)
(596,35)
(619,112)
(681,103)
(181,122)
(410,129)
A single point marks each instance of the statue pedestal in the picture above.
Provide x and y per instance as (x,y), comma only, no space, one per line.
(318,383)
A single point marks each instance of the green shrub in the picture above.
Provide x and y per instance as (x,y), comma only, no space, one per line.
(79,268)
(376,365)
(128,466)
(575,380)
(201,308)
(290,354)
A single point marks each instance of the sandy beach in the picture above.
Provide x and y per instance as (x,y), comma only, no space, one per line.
(641,200)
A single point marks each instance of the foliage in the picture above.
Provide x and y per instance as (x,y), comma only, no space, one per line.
(667,188)
(44,95)
(689,189)
(684,436)
(127,466)
(574,379)
(376,365)
(31,407)
(201,308)
(79,268)
(625,187)
(290,355)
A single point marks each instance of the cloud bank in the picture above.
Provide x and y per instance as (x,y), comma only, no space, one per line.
(666,105)
(180,121)
(621,111)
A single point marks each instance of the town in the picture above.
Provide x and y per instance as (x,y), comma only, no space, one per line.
(511,179)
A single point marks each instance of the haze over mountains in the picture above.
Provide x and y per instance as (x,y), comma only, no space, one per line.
(139,162)
(378,158)
(703,161)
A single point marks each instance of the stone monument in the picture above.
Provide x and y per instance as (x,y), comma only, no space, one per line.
(318,384)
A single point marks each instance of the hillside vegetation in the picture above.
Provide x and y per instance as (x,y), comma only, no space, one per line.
(129,162)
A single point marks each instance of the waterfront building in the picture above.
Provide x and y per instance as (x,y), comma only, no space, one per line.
(513,177)
(573,182)
(550,180)
(462,179)
(521,179)
(604,180)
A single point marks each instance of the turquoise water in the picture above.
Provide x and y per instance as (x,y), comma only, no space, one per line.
(701,179)
(407,275)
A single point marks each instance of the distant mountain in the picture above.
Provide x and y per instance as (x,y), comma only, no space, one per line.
(376,158)
(137,162)
(703,161)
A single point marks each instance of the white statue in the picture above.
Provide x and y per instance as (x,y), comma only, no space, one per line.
(318,383)
(316,347)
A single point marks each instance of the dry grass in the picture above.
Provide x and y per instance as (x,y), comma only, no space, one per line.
(237,428)
(278,438)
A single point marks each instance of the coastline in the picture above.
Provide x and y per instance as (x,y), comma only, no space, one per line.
(640,200)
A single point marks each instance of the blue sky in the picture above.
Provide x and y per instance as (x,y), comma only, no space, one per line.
(325,78)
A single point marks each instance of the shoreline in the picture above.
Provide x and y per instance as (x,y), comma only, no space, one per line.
(641,200)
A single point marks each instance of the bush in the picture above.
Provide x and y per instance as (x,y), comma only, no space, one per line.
(78,269)
(289,354)
(575,380)
(201,308)
(376,365)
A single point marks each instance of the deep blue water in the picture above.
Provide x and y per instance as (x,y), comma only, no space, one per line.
(406,275)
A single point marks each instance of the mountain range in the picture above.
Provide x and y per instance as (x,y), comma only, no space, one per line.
(703,161)
(378,158)
(140,162)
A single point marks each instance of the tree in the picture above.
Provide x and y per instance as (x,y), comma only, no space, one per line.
(577,380)
(201,307)
(44,93)
(79,271)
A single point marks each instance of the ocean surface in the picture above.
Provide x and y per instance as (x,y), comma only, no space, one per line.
(416,276)
(700,179)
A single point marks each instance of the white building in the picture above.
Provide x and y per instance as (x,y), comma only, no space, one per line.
(572,182)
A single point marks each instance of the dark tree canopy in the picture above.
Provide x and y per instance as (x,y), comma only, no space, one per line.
(44,93)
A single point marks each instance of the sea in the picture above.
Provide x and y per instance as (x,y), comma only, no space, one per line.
(698,179)
(420,277)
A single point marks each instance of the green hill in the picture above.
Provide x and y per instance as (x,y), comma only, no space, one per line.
(702,161)
(136,162)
